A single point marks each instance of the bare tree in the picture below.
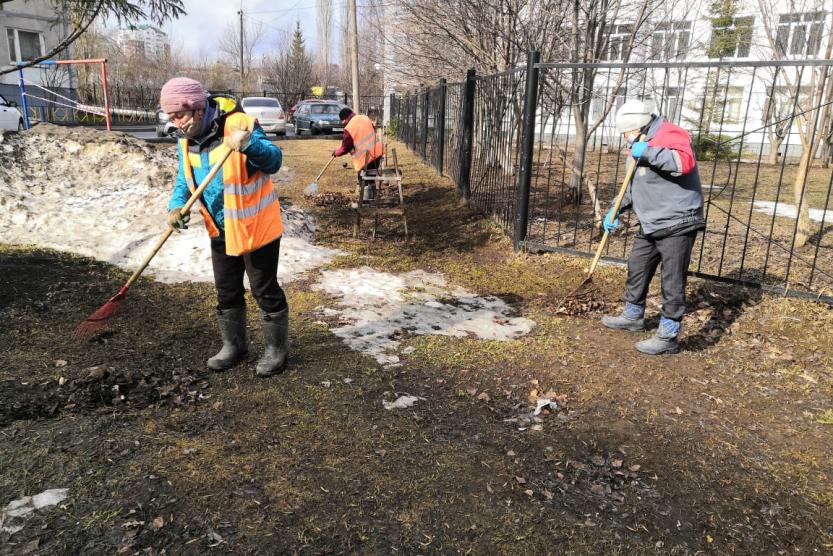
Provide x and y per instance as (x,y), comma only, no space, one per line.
(324,21)
(811,112)
(229,46)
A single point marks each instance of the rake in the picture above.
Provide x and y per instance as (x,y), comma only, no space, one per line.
(98,321)
(617,204)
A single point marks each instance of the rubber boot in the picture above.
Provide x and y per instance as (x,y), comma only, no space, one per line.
(632,318)
(233,332)
(276,337)
(664,341)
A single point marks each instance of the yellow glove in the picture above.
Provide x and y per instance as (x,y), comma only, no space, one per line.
(237,140)
(177,221)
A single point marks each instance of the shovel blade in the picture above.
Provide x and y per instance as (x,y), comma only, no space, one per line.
(311,189)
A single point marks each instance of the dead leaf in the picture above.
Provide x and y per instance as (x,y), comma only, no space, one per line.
(617,463)
(547,494)
(484,396)
(521,480)
(597,489)
(471,391)
(597,460)
(634,468)
(159,522)
(528,492)
(60,363)
(678,411)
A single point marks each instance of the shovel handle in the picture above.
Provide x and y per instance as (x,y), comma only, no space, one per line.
(617,204)
(183,211)
(318,177)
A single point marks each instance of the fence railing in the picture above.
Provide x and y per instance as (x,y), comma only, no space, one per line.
(538,152)
(138,105)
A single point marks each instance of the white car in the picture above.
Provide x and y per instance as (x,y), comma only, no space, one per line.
(10,117)
(268,111)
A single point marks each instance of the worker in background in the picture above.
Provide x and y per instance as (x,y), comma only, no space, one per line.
(241,212)
(667,197)
(361,142)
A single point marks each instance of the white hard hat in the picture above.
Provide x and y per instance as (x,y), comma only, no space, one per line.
(634,114)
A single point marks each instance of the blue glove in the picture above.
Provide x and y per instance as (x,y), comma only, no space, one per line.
(638,149)
(610,223)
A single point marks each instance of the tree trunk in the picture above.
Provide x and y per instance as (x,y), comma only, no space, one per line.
(774,145)
(802,233)
(574,189)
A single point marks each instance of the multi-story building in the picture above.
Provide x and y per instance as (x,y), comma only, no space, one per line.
(28,29)
(144,40)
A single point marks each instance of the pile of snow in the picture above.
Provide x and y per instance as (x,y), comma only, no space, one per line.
(375,308)
(12,516)
(105,195)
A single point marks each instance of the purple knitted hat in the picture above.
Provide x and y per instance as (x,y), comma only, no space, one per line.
(182,93)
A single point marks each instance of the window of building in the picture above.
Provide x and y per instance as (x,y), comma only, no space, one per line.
(24,45)
(618,38)
(732,39)
(799,34)
(670,40)
(672,107)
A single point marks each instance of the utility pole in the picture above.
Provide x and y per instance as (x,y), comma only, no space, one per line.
(240,13)
(354,53)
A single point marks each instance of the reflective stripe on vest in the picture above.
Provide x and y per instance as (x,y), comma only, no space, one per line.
(187,167)
(251,208)
(366,146)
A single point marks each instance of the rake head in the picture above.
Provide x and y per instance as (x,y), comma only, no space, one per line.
(100,319)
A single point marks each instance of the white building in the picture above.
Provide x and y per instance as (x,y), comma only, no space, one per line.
(28,30)
(144,40)
(745,98)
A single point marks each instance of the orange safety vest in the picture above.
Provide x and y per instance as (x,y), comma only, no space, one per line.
(366,145)
(251,210)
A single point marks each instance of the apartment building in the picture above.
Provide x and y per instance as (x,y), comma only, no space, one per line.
(144,40)
(722,82)
(29,29)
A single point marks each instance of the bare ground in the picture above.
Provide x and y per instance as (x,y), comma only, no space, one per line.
(723,448)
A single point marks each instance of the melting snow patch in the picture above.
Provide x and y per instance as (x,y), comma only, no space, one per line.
(402,402)
(789,211)
(17,509)
(374,308)
(104,197)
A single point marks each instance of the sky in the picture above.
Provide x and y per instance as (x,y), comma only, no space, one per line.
(198,31)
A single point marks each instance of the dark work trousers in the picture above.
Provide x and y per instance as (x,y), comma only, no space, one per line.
(674,252)
(262,268)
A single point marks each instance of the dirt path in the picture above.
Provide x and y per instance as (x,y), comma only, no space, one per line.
(724,448)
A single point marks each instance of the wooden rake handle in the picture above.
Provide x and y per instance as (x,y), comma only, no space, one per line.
(183,211)
(617,204)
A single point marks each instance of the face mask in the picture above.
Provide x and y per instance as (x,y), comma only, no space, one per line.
(192,127)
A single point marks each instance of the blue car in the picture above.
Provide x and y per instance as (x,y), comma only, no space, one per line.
(318,117)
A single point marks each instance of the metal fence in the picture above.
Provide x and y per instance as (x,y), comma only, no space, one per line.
(537,151)
(138,105)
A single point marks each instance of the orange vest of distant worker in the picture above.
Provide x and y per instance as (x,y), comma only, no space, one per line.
(251,210)
(366,146)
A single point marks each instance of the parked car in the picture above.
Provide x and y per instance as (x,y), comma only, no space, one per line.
(164,126)
(291,115)
(10,116)
(319,117)
(268,111)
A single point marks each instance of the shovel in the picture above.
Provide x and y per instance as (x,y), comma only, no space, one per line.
(312,188)
(616,206)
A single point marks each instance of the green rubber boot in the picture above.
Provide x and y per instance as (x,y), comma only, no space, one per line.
(276,336)
(233,332)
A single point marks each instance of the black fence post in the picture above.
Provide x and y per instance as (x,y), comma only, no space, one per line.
(426,106)
(439,125)
(467,136)
(415,103)
(527,149)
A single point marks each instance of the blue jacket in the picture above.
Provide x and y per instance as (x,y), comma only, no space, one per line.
(261,154)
